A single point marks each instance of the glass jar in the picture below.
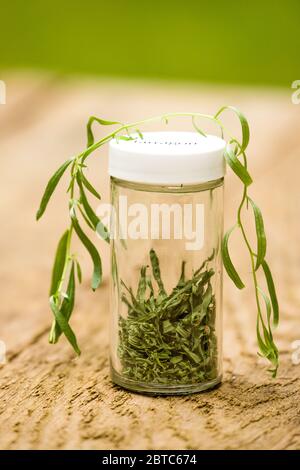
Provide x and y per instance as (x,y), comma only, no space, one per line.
(166,289)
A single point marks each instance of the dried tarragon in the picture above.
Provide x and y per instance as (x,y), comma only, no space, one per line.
(169,339)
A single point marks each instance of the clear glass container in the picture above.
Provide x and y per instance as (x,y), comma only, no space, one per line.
(166,289)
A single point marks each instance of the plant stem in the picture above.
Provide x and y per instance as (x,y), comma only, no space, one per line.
(52,334)
(247,243)
(125,127)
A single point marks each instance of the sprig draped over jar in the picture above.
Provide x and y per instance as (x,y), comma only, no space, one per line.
(62,291)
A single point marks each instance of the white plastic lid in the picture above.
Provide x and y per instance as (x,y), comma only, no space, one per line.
(167,158)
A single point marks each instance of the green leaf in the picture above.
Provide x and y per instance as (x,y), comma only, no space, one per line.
(89,186)
(262,347)
(59,262)
(243,122)
(71,184)
(114,268)
(237,167)
(268,306)
(97,273)
(92,217)
(272,292)
(271,351)
(53,182)
(260,234)
(64,325)
(103,122)
(124,137)
(200,131)
(67,306)
(230,269)
(103,232)
(140,134)
(85,217)
(79,272)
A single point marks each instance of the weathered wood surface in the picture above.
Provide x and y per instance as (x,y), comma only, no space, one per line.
(52,400)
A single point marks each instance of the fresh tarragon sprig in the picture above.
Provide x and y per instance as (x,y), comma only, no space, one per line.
(66,266)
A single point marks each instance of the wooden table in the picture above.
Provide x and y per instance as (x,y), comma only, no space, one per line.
(53,400)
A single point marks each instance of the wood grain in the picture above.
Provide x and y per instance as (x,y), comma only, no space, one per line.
(51,400)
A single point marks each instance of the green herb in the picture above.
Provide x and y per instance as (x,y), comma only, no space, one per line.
(169,339)
(236,159)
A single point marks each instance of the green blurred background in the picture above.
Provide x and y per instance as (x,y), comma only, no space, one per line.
(255,42)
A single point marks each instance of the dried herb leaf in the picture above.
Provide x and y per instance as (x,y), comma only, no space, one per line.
(156,272)
(163,340)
